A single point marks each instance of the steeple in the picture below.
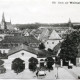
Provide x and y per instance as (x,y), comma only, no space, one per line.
(69,20)
(70,26)
(10,20)
(3,22)
(3,18)
(69,23)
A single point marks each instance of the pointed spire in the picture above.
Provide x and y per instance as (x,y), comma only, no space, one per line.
(69,20)
(10,20)
(70,23)
(3,23)
(3,18)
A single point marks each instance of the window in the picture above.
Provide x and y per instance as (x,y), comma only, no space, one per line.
(22,54)
(52,42)
(47,42)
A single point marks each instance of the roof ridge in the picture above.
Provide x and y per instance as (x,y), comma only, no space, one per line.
(22,47)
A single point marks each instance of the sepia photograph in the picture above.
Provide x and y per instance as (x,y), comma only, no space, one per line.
(39,39)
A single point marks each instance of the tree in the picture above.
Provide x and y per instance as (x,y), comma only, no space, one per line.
(49,62)
(69,49)
(50,50)
(18,65)
(33,63)
(1,62)
(41,46)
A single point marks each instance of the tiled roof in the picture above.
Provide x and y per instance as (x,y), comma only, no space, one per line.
(21,47)
(39,53)
(54,35)
(44,53)
(56,48)
(44,35)
(20,39)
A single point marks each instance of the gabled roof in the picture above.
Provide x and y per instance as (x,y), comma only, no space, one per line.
(54,36)
(38,53)
(20,39)
(21,47)
(57,48)
(44,35)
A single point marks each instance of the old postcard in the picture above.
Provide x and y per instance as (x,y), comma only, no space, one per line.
(39,39)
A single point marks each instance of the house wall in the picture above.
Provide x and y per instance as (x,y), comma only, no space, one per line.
(4,50)
(51,43)
(25,57)
(78,61)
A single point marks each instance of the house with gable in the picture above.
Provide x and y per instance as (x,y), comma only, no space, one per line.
(53,40)
(44,35)
(25,53)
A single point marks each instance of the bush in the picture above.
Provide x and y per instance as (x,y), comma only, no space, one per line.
(18,65)
(33,63)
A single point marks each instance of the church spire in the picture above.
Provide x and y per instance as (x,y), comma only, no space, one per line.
(70,23)
(3,18)
(3,23)
(10,20)
(69,20)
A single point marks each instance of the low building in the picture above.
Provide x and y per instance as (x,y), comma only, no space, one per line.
(25,53)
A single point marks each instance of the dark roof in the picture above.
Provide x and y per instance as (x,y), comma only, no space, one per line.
(39,53)
(44,53)
(20,39)
(56,48)
(21,47)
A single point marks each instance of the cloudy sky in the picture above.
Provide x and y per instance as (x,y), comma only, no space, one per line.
(43,11)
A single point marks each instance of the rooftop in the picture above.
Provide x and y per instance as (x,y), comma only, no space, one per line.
(19,39)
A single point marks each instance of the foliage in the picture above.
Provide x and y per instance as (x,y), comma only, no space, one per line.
(2,69)
(69,46)
(1,62)
(27,26)
(18,65)
(50,50)
(50,62)
(3,55)
(33,63)
(41,46)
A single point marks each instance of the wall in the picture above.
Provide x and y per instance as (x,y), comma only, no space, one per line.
(51,44)
(24,57)
(4,50)
(78,61)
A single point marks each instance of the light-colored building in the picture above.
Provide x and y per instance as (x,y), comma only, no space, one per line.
(53,40)
(25,53)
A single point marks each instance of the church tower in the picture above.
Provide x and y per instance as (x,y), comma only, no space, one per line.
(70,25)
(3,22)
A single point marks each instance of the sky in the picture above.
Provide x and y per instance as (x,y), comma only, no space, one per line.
(39,11)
